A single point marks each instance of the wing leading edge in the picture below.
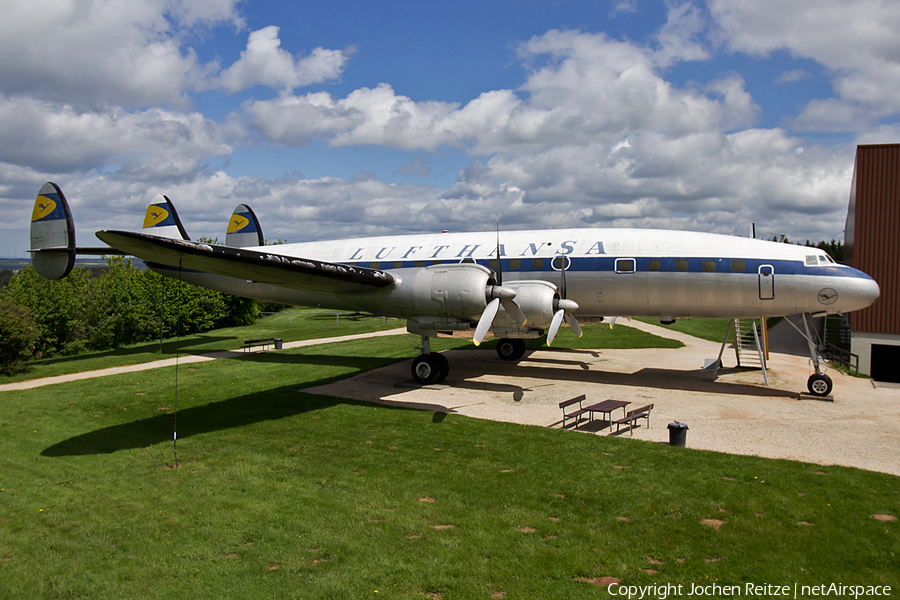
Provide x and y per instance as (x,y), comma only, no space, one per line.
(263,267)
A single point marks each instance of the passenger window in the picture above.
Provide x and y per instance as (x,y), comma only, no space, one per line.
(681,264)
(654,265)
(560,263)
(811,261)
(738,266)
(492,264)
(624,265)
(420,263)
(515,264)
(398,264)
(709,266)
(537,263)
(376,265)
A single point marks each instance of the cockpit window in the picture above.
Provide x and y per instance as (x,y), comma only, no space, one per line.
(812,260)
(824,259)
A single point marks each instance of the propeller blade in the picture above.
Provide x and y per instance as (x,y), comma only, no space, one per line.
(562,279)
(573,323)
(499,267)
(612,321)
(514,311)
(554,326)
(486,320)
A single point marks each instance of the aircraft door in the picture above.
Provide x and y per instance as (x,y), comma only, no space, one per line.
(766,282)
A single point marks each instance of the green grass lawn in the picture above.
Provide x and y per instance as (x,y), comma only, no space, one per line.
(303,324)
(290,325)
(286,494)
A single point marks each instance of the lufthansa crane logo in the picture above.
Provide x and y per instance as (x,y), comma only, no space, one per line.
(155,216)
(827,296)
(43,208)
(237,223)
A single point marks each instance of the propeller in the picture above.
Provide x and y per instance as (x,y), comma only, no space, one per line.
(500,296)
(565,309)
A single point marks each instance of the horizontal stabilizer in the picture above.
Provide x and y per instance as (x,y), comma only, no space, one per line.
(161,219)
(262,267)
(243,229)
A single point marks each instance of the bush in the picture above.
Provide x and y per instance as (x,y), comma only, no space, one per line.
(118,305)
(17,334)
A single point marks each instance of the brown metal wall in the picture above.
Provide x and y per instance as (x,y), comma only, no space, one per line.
(876,234)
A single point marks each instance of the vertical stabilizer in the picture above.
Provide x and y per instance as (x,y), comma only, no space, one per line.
(243,229)
(52,233)
(162,220)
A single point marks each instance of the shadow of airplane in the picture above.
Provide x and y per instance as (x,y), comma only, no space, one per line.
(468,364)
(268,405)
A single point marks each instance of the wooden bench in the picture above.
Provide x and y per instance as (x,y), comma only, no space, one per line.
(264,342)
(574,412)
(632,416)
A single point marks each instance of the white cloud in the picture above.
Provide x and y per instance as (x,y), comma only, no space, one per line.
(792,76)
(595,135)
(127,53)
(856,41)
(679,37)
(60,138)
(592,89)
(264,62)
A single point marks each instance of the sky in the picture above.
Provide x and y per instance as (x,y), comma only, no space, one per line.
(354,118)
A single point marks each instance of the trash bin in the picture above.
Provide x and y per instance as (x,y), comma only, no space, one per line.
(279,342)
(677,433)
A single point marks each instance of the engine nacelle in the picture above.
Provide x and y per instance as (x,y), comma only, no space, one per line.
(454,292)
(536,299)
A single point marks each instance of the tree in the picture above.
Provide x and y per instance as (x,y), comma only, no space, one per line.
(834,248)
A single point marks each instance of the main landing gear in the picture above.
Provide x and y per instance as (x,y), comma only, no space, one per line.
(428,368)
(511,349)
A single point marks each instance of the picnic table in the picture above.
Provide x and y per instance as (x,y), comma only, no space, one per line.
(607,407)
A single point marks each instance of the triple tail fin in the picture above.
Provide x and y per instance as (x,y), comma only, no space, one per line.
(161,219)
(52,233)
(244,229)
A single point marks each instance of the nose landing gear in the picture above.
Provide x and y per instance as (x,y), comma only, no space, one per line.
(818,384)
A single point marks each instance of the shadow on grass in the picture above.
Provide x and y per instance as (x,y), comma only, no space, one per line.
(268,405)
(169,348)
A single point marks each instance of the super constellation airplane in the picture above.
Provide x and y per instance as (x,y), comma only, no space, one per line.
(521,288)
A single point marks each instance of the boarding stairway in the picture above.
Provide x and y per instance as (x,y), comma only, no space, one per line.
(748,347)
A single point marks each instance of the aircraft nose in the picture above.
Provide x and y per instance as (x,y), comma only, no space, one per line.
(862,291)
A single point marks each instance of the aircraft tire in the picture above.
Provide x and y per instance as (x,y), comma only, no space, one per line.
(443,366)
(426,369)
(510,349)
(819,385)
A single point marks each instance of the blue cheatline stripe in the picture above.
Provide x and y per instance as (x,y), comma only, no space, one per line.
(607,264)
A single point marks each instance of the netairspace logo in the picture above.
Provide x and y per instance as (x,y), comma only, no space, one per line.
(750,590)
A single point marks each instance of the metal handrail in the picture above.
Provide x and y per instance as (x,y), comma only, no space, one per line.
(842,356)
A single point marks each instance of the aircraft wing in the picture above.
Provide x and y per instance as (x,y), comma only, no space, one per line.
(263,267)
